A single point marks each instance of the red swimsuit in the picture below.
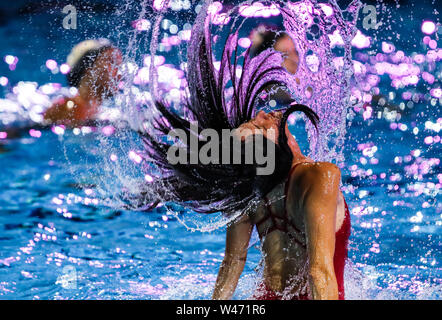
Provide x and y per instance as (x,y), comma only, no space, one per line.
(282,224)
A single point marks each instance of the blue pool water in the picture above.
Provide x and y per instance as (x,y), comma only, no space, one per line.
(60,241)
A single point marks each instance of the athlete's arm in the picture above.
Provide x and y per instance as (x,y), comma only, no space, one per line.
(237,242)
(320,185)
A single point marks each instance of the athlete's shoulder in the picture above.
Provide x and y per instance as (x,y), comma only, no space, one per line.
(312,172)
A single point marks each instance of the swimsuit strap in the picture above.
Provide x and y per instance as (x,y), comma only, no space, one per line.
(285,220)
(346,224)
(287,183)
(286,189)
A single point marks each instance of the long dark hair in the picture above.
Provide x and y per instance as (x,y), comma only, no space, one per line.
(211,188)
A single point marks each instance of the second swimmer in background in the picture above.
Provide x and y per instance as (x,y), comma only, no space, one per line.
(94,66)
(264,37)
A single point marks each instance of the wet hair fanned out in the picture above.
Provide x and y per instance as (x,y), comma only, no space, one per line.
(222,187)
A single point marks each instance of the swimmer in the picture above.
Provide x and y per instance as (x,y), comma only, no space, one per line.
(299,211)
(94,72)
(303,224)
(266,36)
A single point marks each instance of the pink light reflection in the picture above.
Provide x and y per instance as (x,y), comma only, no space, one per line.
(51,64)
(428,27)
(135,157)
(161,4)
(64,68)
(244,42)
(108,130)
(361,41)
(437,93)
(35,133)
(141,25)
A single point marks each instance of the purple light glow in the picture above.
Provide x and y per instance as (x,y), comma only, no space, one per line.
(4,81)
(361,41)
(359,68)
(58,130)
(135,157)
(432,55)
(185,35)
(108,130)
(174,40)
(432,44)
(387,47)
(437,93)
(367,98)
(10,60)
(327,9)
(258,10)
(3,135)
(244,42)
(51,64)
(428,27)
(428,77)
(141,25)
(338,62)
(336,39)
(161,4)
(419,58)
(367,113)
(406,95)
(35,133)
(220,19)
(142,76)
(217,18)
(50,88)
(214,8)
(158,60)
(398,56)
(428,140)
(64,68)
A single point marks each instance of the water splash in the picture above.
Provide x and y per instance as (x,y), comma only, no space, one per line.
(325,76)
(321,72)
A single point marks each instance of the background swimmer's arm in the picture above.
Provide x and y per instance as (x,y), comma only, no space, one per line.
(57,112)
(321,182)
(70,112)
(237,242)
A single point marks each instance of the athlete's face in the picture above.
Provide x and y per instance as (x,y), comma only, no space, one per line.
(267,124)
(264,123)
(286,45)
